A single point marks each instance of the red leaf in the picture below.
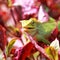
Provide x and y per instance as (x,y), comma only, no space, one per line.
(3,40)
(53,34)
(26,51)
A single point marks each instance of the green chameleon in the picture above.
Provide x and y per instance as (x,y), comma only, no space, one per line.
(40,30)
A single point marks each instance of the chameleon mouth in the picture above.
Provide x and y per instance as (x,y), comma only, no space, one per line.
(29,29)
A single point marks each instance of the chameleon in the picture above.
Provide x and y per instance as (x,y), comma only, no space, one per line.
(39,30)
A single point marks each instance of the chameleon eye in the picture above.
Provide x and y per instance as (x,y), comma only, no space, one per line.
(32,22)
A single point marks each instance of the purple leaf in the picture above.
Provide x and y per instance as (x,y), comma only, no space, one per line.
(42,15)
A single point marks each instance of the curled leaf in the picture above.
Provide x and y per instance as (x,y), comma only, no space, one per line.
(52,53)
(9,46)
(55,44)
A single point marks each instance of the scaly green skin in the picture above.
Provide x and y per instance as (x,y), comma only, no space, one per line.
(40,30)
